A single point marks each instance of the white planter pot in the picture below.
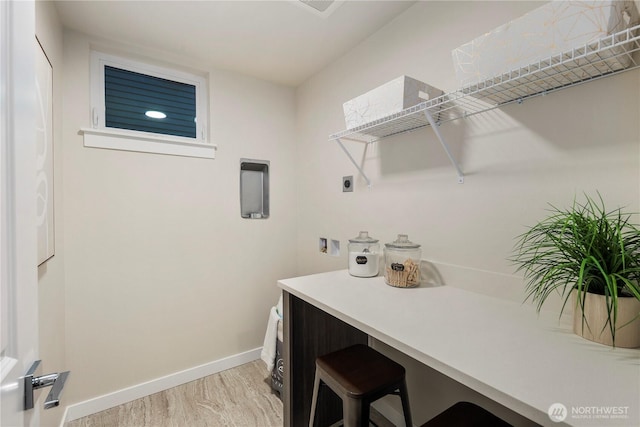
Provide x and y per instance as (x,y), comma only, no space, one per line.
(595,327)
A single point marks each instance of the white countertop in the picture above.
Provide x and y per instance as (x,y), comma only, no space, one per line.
(499,348)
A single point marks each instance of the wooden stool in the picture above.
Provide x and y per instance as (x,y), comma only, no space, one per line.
(465,414)
(359,375)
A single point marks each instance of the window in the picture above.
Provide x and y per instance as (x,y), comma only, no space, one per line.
(146,103)
(141,107)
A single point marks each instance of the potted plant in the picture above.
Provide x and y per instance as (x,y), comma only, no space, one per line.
(591,257)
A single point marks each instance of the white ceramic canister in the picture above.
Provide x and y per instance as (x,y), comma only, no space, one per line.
(363,255)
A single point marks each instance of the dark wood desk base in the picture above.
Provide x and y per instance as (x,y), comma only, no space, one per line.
(308,333)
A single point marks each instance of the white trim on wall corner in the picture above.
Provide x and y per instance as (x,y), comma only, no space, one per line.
(101,403)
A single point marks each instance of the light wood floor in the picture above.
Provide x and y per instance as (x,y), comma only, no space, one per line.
(238,397)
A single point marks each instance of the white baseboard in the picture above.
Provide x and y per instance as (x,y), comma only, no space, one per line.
(101,403)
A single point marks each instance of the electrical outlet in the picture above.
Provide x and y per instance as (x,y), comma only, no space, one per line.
(347,183)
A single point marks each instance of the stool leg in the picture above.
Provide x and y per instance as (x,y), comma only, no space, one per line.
(314,399)
(404,397)
(355,412)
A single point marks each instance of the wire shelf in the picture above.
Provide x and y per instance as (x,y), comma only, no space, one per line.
(605,57)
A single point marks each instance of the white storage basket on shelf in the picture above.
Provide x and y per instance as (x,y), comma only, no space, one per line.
(544,35)
(389,98)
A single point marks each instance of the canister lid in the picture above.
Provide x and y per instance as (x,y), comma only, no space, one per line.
(363,237)
(402,242)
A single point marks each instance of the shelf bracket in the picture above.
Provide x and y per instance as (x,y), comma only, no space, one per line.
(444,144)
(354,162)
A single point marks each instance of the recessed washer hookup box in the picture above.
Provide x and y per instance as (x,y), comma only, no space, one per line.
(254,189)
(551,29)
(392,97)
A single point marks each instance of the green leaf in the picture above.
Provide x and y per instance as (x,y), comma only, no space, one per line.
(585,247)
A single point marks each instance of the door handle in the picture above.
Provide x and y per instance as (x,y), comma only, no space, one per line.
(32,383)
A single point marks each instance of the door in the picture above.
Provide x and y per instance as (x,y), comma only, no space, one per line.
(18,252)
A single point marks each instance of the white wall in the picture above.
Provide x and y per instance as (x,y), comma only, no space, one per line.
(51,278)
(516,160)
(162,272)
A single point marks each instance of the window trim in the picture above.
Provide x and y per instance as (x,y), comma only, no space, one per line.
(100,136)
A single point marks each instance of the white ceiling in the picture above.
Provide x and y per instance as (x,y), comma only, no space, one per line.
(280,41)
